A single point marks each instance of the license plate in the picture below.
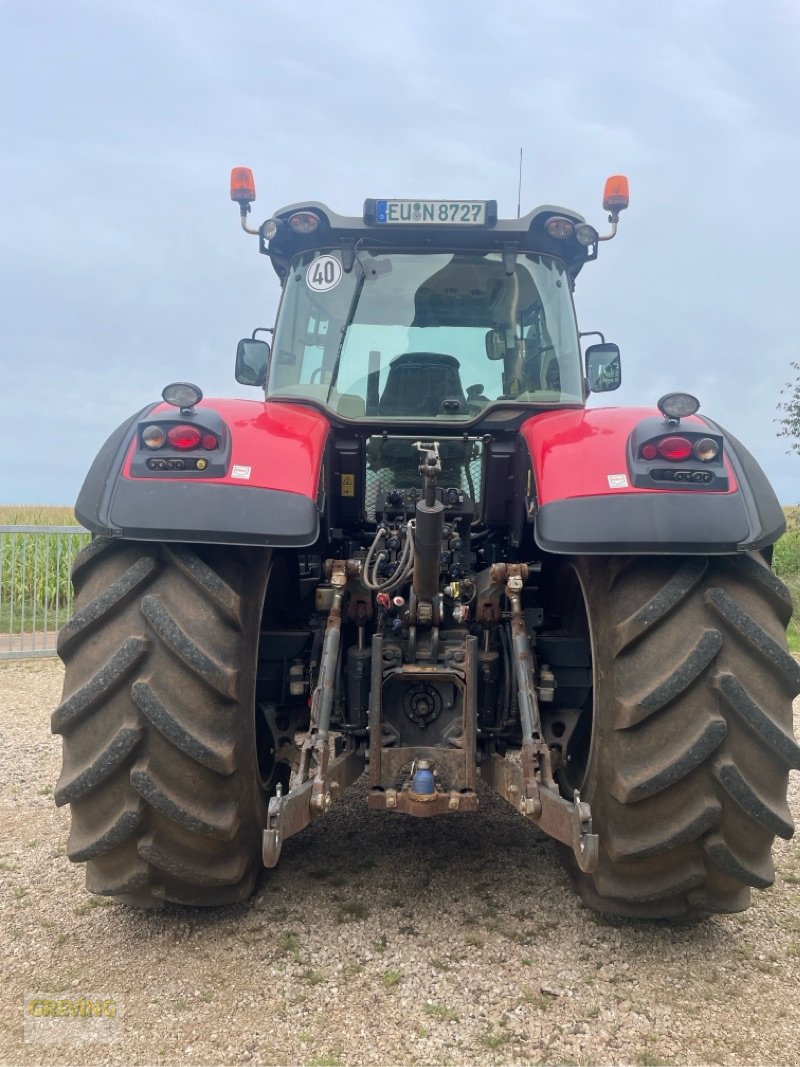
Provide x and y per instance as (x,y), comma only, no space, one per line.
(431,212)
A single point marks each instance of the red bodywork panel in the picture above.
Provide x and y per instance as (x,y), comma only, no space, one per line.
(281,444)
(575,452)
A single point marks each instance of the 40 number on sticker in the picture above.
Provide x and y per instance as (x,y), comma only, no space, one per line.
(324,274)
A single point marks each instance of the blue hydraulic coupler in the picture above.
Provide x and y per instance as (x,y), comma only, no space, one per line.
(423,782)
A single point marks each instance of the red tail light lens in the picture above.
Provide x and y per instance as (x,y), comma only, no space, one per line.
(184,436)
(210,441)
(649,451)
(675,449)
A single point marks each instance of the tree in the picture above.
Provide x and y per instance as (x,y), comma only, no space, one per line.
(790,408)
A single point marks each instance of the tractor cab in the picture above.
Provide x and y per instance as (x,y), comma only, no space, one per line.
(431,311)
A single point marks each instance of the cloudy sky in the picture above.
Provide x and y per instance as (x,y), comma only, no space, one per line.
(123,267)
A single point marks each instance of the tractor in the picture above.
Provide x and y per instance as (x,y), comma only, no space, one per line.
(419,556)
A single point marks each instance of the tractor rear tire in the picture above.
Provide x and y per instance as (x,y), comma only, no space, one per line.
(692,739)
(158,725)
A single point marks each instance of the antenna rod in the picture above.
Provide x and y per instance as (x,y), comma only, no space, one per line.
(519,187)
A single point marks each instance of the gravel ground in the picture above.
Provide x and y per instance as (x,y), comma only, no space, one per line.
(379,940)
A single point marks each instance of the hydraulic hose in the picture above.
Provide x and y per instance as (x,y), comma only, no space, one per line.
(403,567)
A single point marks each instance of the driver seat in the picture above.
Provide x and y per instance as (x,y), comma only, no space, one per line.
(418,383)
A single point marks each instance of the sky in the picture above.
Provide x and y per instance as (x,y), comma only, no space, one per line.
(123,267)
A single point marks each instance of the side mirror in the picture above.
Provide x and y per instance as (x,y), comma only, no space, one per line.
(252,360)
(603,369)
(497,343)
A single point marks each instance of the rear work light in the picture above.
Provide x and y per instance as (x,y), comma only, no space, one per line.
(183,395)
(559,227)
(676,406)
(675,449)
(304,221)
(586,234)
(184,437)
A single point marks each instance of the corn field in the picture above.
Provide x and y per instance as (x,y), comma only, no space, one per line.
(35,590)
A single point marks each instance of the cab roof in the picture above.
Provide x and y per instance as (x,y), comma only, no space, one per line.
(348,232)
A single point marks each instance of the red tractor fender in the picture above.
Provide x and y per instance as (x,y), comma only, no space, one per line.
(261,484)
(594,494)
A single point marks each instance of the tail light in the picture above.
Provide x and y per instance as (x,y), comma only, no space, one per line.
(153,436)
(201,447)
(184,436)
(675,449)
(706,449)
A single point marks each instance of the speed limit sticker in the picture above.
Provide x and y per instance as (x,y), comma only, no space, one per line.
(324,273)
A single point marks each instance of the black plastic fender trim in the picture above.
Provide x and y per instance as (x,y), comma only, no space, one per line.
(209,513)
(655,523)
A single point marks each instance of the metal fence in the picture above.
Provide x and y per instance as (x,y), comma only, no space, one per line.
(35,586)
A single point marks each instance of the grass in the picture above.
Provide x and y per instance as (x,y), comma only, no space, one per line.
(352,911)
(441,1012)
(290,943)
(493,1039)
(92,903)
